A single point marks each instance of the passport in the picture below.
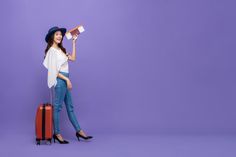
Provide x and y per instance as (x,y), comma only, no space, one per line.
(77,30)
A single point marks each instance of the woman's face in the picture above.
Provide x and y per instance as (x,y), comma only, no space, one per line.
(57,37)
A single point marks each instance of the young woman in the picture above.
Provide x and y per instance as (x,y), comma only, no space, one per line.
(56,61)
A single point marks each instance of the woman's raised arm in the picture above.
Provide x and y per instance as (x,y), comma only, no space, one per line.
(72,57)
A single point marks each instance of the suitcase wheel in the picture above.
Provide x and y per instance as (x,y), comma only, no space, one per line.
(37,142)
(50,140)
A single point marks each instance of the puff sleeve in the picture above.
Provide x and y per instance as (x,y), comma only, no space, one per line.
(53,64)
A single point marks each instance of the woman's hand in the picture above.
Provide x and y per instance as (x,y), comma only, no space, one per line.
(69,84)
(74,37)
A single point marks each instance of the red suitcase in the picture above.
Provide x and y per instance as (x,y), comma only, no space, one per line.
(44,123)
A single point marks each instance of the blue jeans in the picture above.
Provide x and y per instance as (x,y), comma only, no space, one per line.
(61,93)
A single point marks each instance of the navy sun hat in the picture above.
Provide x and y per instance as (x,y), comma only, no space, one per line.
(53,30)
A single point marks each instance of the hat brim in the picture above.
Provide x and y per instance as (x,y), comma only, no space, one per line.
(63,32)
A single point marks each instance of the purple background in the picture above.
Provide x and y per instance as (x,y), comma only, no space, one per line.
(145,66)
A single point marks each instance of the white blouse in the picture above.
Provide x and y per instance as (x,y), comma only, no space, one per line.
(55,61)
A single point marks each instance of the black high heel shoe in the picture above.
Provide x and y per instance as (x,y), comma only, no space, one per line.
(83,137)
(61,142)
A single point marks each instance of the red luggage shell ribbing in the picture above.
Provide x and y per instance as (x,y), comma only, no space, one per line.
(44,123)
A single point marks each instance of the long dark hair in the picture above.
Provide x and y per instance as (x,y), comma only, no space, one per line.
(50,43)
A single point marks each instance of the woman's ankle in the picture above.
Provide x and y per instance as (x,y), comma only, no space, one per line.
(79,131)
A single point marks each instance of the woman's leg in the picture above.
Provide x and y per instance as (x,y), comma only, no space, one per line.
(59,94)
(70,111)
